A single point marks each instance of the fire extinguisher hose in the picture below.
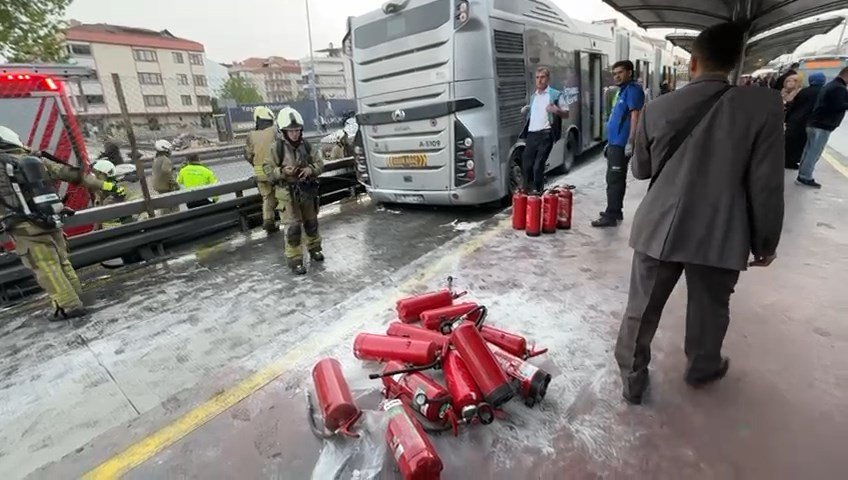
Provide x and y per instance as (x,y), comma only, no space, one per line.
(321,433)
(447,326)
(421,368)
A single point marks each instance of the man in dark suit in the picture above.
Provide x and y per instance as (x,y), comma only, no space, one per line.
(715,158)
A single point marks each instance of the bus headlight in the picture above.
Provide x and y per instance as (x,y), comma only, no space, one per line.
(463,13)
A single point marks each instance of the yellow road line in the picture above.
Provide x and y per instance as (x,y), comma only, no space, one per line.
(839,166)
(146,448)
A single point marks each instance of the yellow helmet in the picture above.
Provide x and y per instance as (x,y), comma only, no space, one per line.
(263,113)
(289,119)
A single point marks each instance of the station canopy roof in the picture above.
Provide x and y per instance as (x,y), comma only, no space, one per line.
(700,14)
(761,51)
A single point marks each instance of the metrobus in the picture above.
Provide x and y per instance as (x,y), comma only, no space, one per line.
(829,66)
(440,85)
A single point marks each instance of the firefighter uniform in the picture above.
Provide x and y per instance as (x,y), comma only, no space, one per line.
(256,151)
(163,173)
(293,167)
(44,250)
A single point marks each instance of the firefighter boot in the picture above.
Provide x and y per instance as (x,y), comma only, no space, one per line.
(271,227)
(61,314)
(297,267)
(316,255)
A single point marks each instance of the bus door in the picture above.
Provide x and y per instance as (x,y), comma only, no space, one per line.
(591,116)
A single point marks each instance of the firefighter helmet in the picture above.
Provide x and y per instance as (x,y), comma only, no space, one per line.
(105,167)
(8,138)
(163,146)
(263,113)
(289,119)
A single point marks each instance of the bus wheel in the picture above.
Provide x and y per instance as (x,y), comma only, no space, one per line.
(570,154)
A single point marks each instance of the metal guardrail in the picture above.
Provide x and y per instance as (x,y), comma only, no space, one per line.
(147,239)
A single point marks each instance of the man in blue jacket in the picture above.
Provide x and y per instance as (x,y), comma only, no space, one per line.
(827,116)
(621,130)
(543,128)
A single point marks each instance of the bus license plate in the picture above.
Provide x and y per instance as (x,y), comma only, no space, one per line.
(418,160)
(409,198)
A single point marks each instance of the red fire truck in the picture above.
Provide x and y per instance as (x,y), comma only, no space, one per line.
(35,104)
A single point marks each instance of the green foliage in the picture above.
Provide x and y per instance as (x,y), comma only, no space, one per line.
(32,30)
(240,90)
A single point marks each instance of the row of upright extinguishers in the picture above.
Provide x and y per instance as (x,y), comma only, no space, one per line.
(543,214)
(483,368)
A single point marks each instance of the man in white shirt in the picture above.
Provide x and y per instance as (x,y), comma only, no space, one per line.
(543,128)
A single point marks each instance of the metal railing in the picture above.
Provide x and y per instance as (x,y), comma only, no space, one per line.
(147,239)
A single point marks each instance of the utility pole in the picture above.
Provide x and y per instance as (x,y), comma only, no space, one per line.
(312,86)
(139,168)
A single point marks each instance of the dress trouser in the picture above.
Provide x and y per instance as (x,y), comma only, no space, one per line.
(537,148)
(707,316)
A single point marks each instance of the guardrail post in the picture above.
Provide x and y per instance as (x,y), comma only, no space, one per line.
(139,167)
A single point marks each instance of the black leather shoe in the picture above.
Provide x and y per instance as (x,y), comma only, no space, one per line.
(697,381)
(317,256)
(605,221)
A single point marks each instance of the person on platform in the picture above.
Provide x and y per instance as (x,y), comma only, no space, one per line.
(714,155)
(196,175)
(621,127)
(798,113)
(163,173)
(543,128)
(827,116)
(256,151)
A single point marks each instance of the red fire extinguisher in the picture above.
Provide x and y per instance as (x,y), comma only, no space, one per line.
(534,216)
(383,348)
(465,394)
(519,210)
(532,381)
(334,398)
(409,309)
(512,343)
(481,363)
(422,394)
(409,445)
(550,210)
(433,319)
(400,329)
(566,202)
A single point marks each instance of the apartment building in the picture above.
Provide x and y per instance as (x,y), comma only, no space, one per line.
(163,76)
(333,74)
(276,78)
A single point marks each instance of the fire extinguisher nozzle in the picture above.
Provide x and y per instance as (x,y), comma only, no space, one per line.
(485,413)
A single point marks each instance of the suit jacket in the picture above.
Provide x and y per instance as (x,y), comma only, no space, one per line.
(554,98)
(720,196)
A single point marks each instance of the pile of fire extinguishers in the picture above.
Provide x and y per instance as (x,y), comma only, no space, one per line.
(543,214)
(482,366)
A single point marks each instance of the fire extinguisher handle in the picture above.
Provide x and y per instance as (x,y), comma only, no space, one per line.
(535,353)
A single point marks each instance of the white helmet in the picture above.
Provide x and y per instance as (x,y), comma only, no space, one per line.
(263,113)
(289,119)
(163,146)
(8,138)
(105,167)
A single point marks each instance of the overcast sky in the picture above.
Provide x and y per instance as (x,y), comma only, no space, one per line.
(237,29)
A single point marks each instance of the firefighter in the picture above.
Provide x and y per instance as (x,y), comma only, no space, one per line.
(196,175)
(293,168)
(105,171)
(163,173)
(31,214)
(256,151)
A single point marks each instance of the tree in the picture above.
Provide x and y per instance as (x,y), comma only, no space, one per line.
(31,30)
(240,90)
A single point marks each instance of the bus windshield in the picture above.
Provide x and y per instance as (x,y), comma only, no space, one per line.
(416,20)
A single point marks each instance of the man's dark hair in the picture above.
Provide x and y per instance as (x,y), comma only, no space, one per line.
(625,64)
(719,47)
